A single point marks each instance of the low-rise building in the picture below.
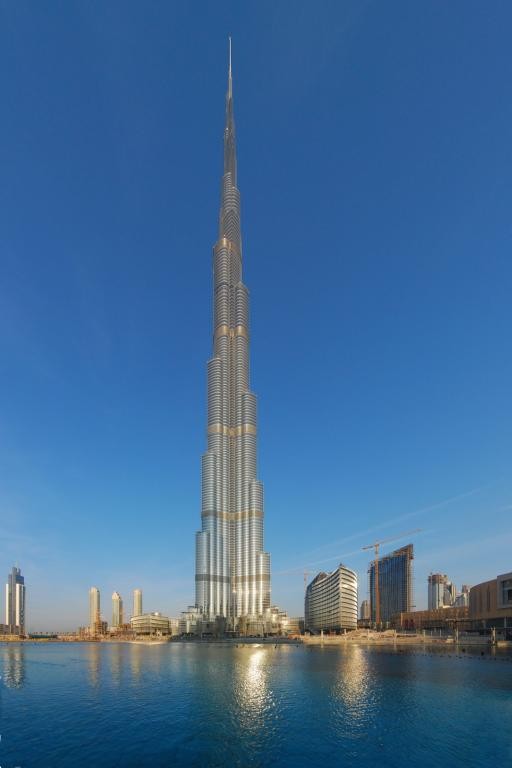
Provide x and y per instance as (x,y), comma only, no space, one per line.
(190,621)
(151,624)
(295,625)
(448,618)
(490,604)
(331,601)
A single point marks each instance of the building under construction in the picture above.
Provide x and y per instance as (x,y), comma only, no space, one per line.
(395,587)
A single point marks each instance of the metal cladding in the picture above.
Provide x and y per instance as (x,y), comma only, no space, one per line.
(232,570)
(330,602)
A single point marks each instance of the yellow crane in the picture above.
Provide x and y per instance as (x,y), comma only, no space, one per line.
(375,546)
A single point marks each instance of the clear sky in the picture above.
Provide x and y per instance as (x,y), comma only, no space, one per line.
(374,148)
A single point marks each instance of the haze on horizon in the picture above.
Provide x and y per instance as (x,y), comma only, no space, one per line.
(374,164)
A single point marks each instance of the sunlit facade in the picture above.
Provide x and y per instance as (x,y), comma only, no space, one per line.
(137,602)
(331,601)
(150,624)
(395,583)
(94,609)
(117,610)
(15,603)
(232,568)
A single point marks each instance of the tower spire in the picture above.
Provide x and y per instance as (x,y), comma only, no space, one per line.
(229,131)
(232,568)
(230,80)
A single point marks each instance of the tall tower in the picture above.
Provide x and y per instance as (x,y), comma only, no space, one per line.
(137,602)
(15,602)
(94,610)
(232,570)
(117,610)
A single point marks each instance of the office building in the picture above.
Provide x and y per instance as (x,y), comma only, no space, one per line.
(151,624)
(232,568)
(331,601)
(395,583)
(364,613)
(15,614)
(94,611)
(117,610)
(137,602)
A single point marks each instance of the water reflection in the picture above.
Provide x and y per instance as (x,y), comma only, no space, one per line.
(14,666)
(135,660)
(352,679)
(93,663)
(116,662)
(251,688)
(352,692)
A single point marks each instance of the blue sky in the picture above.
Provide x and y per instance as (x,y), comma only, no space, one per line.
(375,170)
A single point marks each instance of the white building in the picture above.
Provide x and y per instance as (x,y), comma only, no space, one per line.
(137,602)
(117,610)
(331,601)
(94,610)
(151,624)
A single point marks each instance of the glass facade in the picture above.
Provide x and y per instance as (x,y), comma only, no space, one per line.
(232,568)
(395,583)
(15,603)
(331,601)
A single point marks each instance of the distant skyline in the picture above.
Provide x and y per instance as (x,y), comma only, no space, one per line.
(374,158)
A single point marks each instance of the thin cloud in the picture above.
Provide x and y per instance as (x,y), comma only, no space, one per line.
(368,531)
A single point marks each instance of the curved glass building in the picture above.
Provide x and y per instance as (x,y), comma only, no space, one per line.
(232,569)
(331,601)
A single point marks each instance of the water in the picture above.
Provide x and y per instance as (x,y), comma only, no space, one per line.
(107,705)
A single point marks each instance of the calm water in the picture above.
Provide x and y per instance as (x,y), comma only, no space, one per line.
(187,704)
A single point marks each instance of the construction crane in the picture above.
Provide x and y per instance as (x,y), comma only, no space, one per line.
(306,574)
(375,546)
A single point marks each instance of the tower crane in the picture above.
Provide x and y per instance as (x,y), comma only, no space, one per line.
(375,546)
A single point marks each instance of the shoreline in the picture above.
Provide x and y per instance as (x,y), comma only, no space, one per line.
(364,637)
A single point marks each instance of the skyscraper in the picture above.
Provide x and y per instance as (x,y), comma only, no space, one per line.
(441,591)
(364,613)
(395,583)
(232,570)
(15,602)
(117,610)
(137,602)
(94,610)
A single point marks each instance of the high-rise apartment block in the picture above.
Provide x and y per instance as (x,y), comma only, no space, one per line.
(395,583)
(137,602)
(117,610)
(94,611)
(232,568)
(441,591)
(462,599)
(15,614)
(436,582)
